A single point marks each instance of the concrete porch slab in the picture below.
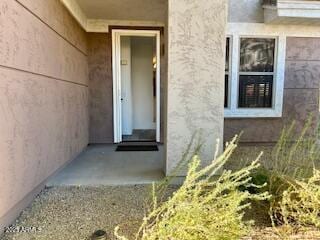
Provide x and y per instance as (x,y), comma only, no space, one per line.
(102,165)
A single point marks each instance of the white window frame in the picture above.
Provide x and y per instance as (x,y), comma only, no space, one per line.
(233,111)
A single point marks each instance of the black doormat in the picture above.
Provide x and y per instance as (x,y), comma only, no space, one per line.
(137,148)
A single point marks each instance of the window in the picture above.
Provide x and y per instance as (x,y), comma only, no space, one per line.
(256,72)
(254,75)
(227,74)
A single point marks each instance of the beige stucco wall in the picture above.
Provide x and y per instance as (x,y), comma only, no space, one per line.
(249,11)
(100,88)
(195,75)
(43,97)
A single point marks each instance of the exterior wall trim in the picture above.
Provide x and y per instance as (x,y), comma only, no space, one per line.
(103,26)
(272,30)
(75,10)
(297,9)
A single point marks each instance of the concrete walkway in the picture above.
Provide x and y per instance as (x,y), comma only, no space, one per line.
(102,165)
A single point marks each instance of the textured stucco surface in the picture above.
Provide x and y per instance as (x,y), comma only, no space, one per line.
(301,95)
(43,97)
(250,11)
(28,44)
(57,17)
(100,87)
(195,75)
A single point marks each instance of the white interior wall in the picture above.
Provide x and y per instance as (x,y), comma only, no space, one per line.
(142,82)
(126,92)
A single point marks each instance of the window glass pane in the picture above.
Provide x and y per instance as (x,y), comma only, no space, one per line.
(226,79)
(227,55)
(257,55)
(226,90)
(255,91)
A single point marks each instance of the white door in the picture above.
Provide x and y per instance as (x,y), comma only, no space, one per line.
(120,93)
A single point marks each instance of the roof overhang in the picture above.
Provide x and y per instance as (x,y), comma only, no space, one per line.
(293,12)
(90,23)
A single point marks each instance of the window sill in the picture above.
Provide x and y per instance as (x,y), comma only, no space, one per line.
(252,113)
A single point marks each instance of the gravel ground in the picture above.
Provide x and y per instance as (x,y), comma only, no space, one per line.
(76,212)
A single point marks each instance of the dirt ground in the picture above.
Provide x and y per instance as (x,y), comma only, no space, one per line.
(76,212)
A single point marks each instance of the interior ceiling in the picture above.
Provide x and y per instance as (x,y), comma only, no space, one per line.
(134,10)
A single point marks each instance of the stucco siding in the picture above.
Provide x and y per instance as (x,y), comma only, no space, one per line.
(249,11)
(28,44)
(57,17)
(195,76)
(303,49)
(301,95)
(43,99)
(100,88)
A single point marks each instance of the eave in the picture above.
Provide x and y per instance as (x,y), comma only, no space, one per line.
(306,12)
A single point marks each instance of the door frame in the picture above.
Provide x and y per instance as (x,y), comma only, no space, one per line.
(116,72)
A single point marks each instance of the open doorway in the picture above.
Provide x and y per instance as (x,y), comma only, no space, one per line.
(136,78)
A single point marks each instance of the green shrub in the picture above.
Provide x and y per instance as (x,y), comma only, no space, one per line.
(206,206)
(292,180)
(293,160)
(300,205)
